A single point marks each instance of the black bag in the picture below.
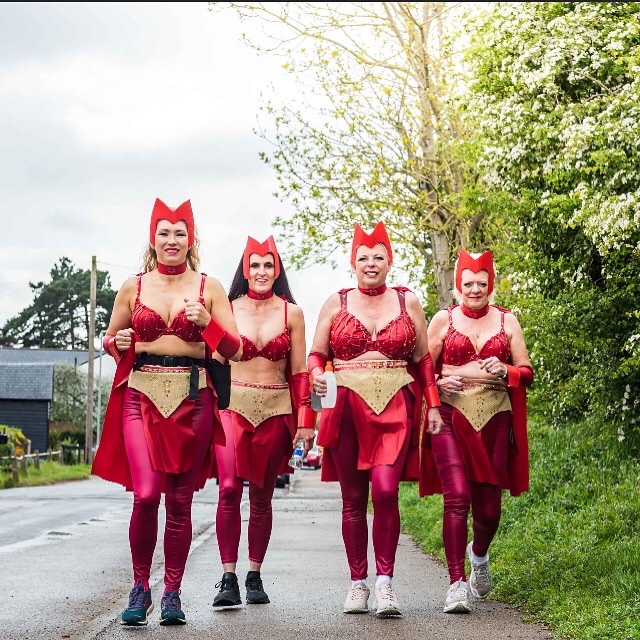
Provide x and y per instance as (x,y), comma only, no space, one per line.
(220,375)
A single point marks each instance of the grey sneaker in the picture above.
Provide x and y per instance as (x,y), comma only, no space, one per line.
(357,599)
(387,601)
(457,600)
(480,581)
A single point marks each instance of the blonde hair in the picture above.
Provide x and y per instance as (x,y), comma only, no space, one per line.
(150,257)
(457,295)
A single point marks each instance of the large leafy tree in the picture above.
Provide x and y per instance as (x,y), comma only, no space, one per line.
(59,315)
(376,133)
(558,87)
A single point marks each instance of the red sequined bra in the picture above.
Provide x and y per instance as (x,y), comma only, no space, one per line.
(150,326)
(458,349)
(350,338)
(275,350)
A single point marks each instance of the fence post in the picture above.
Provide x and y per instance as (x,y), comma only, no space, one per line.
(49,455)
(61,454)
(36,460)
(23,465)
(14,468)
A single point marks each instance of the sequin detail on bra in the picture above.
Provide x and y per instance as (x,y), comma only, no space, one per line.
(275,350)
(149,325)
(350,338)
(458,349)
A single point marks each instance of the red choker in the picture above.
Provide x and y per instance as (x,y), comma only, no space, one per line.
(470,313)
(378,291)
(166,270)
(254,295)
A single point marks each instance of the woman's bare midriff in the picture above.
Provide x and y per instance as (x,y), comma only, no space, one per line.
(260,371)
(172,346)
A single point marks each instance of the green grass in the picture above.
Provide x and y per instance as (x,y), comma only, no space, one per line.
(567,551)
(49,473)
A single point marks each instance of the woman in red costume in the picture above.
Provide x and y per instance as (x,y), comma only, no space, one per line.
(269,411)
(162,421)
(483,367)
(377,339)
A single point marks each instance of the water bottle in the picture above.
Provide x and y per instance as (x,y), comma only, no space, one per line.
(328,401)
(296,458)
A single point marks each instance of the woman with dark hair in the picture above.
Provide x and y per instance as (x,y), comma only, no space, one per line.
(162,419)
(269,410)
(484,369)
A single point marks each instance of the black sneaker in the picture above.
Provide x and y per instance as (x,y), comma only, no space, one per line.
(171,609)
(255,592)
(229,595)
(140,606)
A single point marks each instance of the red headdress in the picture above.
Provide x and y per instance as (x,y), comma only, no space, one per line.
(377,236)
(253,246)
(465,261)
(162,212)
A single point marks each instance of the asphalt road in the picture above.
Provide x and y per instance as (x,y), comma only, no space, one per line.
(72,581)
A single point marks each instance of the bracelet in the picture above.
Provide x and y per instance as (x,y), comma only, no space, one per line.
(506,374)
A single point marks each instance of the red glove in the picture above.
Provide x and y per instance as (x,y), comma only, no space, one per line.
(519,376)
(219,340)
(109,345)
(316,362)
(427,380)
(301,398)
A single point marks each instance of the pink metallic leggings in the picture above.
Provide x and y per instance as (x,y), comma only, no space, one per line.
(143,527)
(231,487)
(354,484)
(460,495)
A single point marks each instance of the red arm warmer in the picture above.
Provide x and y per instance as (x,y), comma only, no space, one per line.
(519,376)
(220,340)
(109,345)
(301,398)
(316,362)
(427,379)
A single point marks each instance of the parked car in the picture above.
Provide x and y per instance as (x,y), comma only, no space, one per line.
(314,458)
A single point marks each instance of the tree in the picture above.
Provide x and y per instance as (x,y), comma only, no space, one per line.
(58,318)
(558,88)
(377,133)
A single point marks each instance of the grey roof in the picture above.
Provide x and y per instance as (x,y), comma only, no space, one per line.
(26,381)
(10,355)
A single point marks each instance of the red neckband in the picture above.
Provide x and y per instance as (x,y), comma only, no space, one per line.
(470,313)
(254,295)
(176,270)
(378,291)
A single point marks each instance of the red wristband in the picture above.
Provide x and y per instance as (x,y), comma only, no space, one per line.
(306,418)
(220,340)
(109,344)
(432,397)
(519,376)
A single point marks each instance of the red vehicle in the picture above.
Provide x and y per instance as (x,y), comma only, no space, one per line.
(314,458)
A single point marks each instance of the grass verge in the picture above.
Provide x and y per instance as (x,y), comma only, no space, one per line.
(567,551)
(49,473)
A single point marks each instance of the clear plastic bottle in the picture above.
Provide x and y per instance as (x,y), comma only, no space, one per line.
(296,458)
(328,401)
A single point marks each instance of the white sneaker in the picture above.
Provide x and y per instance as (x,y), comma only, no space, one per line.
(457,600)
(357,599)
(387,601)
(480,581)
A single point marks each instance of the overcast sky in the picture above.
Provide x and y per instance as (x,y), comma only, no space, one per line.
(106,106)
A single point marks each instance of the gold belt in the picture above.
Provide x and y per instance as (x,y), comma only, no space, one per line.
(375,381)
(256,402)
(479,400)
(166,388)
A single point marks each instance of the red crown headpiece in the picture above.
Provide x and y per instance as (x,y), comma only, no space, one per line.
(465,261)
(162,212)
(253,246)
(377,236)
